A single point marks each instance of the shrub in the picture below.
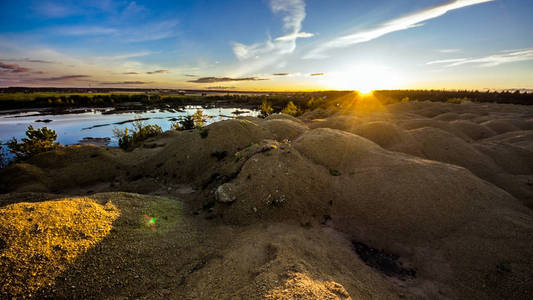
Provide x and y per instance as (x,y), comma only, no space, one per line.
(187,123)
(266,108)
(219,155)
(457,100)
(334,172)
(291,109)
(3,158)
(139,133)
(37,141)
(204,132)
(199,119)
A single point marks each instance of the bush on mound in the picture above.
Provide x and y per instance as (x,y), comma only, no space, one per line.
(36,141)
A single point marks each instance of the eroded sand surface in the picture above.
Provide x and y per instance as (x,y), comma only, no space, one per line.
(411,200)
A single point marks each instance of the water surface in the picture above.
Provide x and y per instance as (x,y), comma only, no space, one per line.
(95,123)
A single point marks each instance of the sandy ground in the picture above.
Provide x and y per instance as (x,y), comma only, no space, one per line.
(364,201)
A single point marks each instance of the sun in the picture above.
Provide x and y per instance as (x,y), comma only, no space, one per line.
(362,78)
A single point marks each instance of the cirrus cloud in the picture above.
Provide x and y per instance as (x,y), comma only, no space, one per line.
(402,23)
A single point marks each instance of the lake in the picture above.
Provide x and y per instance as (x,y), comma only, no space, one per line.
(77,124)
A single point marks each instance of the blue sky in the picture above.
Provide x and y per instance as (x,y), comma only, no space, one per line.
(268,44)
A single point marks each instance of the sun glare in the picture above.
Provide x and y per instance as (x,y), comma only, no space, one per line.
(362,78)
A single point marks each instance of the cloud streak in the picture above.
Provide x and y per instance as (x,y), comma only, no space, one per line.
(259,55)
(224,79)
(125,83)
(446,61)
(402,23)
(65,78)
(158,72)
(12,68)
(491,60)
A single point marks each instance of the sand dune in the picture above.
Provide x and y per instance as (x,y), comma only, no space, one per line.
(411,200)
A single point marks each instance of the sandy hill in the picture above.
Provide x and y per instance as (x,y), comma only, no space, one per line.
(411,200)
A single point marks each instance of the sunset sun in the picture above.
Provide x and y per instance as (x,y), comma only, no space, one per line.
(363,78)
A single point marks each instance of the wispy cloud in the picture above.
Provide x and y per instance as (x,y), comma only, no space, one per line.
(158,72)
(82,30)
(403,23)
(281,74)
(150,31)
(492,60)
(220,87)
(449,50)
(28,60)
(131,73)
(224,79)
(124,55)
(259,55)
(189,75)
(125,82)
(12,68)
(65,78)
(317,74)
(50,9)
(446,61)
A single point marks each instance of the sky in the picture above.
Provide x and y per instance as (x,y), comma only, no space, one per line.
(268,44)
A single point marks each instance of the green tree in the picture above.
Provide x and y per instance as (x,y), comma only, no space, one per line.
(35,142)
(291,109)
(266,108)
(199,119)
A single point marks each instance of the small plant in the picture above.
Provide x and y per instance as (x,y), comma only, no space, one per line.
(291,109)
(3,158)
(199,119)
(458,100)
(187,123)
(266,108)
(219,155)
(503,267)
(139,133)
(334,172)
(204,132)
(37,141)
(175,126)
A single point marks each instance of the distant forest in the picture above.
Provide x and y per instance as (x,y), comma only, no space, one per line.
(515,97)
(11,98)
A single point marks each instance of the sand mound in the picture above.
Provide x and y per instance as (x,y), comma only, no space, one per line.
(284,129)
(420,123)
(441,146)
(501,126)
(303,180)
(523,138)
(284,117)
(279,261)
(472,130)
(40,240)
(449,116)
(273,209)
(389,136)
(346,123)
(70,167)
